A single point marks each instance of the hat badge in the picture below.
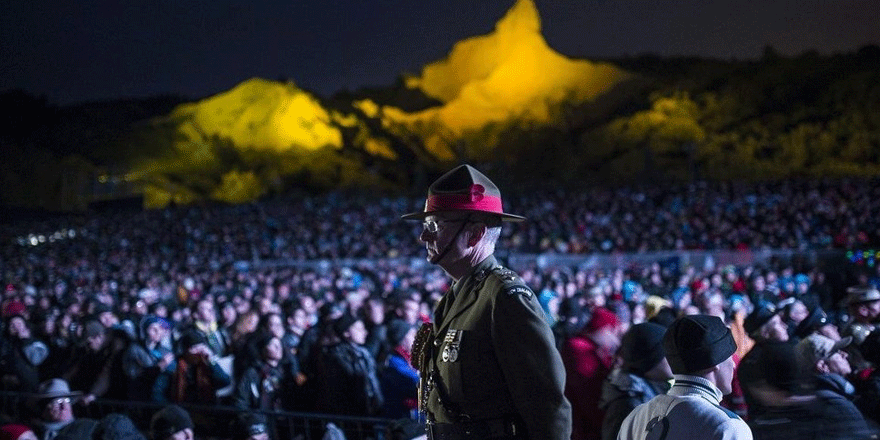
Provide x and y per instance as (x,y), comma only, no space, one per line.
(477,192)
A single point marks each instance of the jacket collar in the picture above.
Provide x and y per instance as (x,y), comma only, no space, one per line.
(684,385)
(461,296)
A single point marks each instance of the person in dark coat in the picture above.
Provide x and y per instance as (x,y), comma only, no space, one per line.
(764,324)
(197,376)
(489,359)
(22,356)
(793,409)
(53,406)
(826,365)
(348,382)
(266,381)
(399,380)
(643,374)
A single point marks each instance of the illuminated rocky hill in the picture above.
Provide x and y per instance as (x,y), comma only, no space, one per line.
(219,146)
(510,75)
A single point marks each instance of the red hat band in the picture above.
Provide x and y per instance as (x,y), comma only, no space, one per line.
(475,200)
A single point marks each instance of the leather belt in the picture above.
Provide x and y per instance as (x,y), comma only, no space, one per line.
(501,428)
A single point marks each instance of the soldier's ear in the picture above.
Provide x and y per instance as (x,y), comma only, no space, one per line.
(477,231)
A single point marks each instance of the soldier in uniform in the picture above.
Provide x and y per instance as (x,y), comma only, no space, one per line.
(488,364)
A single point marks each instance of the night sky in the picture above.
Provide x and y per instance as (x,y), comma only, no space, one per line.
(77,51)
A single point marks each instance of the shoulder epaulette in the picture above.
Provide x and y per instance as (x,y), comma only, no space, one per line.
(512,284)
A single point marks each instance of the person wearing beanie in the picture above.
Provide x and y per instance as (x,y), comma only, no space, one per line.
(489,356)
(588,358)
(817,321)
(699,349)
(795,410)
(644,373)
(250,426)
(765,326)
(171,423)
(16,432)
(347,380)
(116,427)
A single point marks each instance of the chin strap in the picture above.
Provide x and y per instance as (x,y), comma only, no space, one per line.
(436,259)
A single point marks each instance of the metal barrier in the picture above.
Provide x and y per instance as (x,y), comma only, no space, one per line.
(214,421)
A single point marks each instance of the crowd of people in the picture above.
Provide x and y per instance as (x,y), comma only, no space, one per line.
(159,306)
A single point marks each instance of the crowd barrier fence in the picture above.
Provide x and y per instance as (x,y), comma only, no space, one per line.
(214,421)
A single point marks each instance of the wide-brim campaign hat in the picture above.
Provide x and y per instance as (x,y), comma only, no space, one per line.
(463,189)
(50,390)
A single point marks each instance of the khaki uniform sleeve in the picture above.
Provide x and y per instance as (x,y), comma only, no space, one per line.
(530,363)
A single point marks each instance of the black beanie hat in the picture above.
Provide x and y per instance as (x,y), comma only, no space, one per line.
(814,321)
(697,342)
(343,323)
(169,421)
(642,347)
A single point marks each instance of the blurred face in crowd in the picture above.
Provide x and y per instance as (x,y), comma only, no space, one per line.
(275,325)
(96,342)
(837,363)
(299,321)
(357,333)
(156,332)
(108,319)
(58,410)
(228,313)
(205,312)
(18,328)
(797,312)
(186,434)
(273,350)
(866,311)
(409,310)
(774,329)
(409,338)
(375,311)
(830,331)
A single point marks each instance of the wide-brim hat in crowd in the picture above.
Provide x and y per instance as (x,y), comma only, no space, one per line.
(697,342)
(814,321)
(760,316)
(862,294)
(816,347)
(463,189)
(49,390)
(55,389)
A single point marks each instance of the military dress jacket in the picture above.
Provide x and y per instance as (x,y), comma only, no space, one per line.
(493,356)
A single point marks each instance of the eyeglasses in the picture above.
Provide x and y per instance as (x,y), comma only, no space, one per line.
(434,226)
(54,403)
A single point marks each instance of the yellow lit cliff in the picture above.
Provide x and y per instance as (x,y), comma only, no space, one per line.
(510,74)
